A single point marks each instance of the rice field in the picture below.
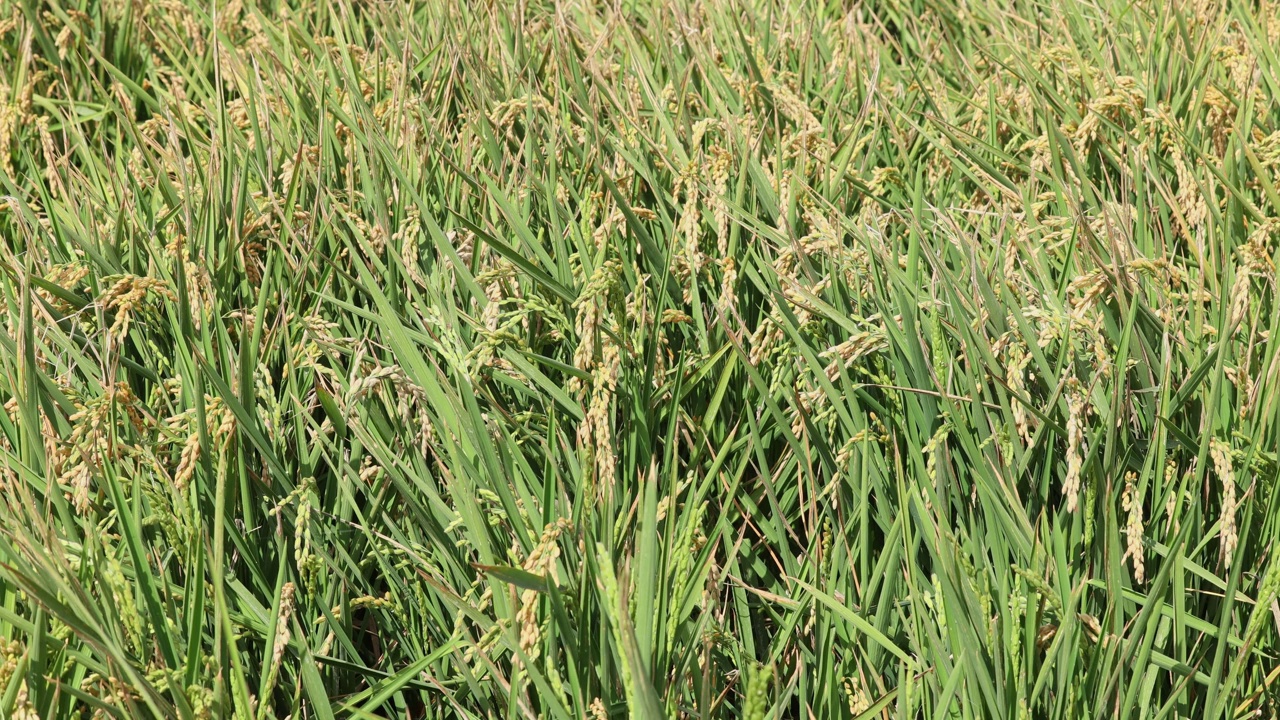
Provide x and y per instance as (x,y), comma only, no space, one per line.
(586,359)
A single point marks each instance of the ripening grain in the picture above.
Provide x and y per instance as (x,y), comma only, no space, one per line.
(685,359)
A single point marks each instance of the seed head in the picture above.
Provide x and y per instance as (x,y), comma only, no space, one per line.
(1221,454)
(1133,527)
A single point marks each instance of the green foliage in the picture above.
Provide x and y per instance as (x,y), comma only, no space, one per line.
(597,360)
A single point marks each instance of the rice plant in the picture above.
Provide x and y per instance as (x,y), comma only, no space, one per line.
(668,359)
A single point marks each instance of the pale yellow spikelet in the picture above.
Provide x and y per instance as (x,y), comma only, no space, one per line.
(1015,372)
(1220,116)
(637,302)
(542,561)
(611,219)
(11,655)
(1265,147)
(128,295)
(361,601)
(595,431)
(238,114)
(527,617)
(590,313)
(1078,409)
(1041,153)
(67,276)
(763,340)
(281,642)
(884,178)
(1132,503)
(370,471)
(96,438)
(408,237)
(23,708)
(1190,198)
(50,155)
(721,160)
(79,478)
(1239,298)
(187,462)
(1050,322)
(307,156)
(859,345)
(224,423)
(506,113)
(727,303)
(1086,291)
(1221,453)
(606,382)
(9,117)
(859,703)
